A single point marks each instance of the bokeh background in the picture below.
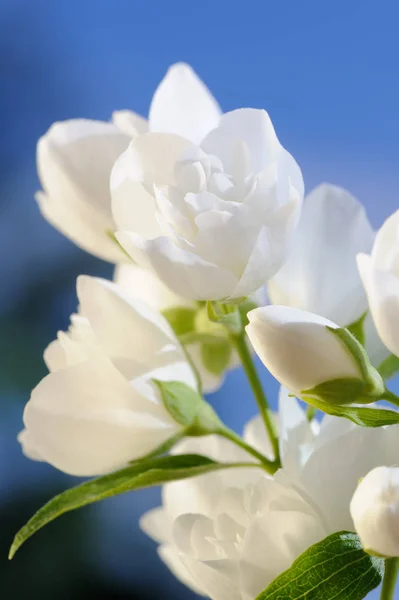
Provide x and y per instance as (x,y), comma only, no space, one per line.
(328,74)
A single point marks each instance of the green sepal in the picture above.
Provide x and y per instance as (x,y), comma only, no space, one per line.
(389,367)
(357,328)
(227,315)
(364,417)
(141,474)
(336,568)
(344,391)
(188,408)
(181,319)
(368,387)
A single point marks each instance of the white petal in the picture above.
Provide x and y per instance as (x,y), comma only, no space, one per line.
(337,466)
(74,160)
(182,104)
(133,207)
(248,125)
(255,434)
(265,259)
(172,559)
(213,579)
(382,288)
(320,274)
(273,541)
(136,337)
(146,286)
(86,420)
(375,348)
(156,524)
(28,446)
(183,272)
(386,245)
(296,435)
(130,122)
(153,156)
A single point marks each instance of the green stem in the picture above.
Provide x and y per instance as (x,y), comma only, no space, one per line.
(390,397)
(269,466)
(390,577)
(240,343)
(194,368)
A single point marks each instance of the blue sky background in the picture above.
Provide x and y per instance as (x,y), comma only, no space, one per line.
(328,74)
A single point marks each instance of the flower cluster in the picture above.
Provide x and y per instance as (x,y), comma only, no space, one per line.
(218,257)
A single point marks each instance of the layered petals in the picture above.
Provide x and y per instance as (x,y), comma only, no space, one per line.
(227,209)
(98,408)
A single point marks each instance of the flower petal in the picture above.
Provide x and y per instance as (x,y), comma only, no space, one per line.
(74,160)
(382,288)
(87,420)
(182,104)
(133,207)
(320,274)
(145,286)
(248,125)
(135,336)
(130,122)
(183,272)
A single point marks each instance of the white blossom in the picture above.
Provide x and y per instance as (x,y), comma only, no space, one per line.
(380,275)
(229,538)
(97,409)
(75,158)
(375,511)
(213,221)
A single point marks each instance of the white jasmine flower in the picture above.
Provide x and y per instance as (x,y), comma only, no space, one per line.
(75,158)
(97,409)
(214,221)
(228,539)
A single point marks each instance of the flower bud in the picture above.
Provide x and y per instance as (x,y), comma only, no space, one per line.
(312,356)
(375,511)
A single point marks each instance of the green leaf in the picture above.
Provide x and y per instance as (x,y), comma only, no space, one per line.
(335,568)
(188,408)
(364,417)
(141,474)
(389,367)
(357,328)
(216,356)
(181,319)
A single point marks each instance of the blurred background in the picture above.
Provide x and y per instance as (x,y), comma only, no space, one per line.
(328,74)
